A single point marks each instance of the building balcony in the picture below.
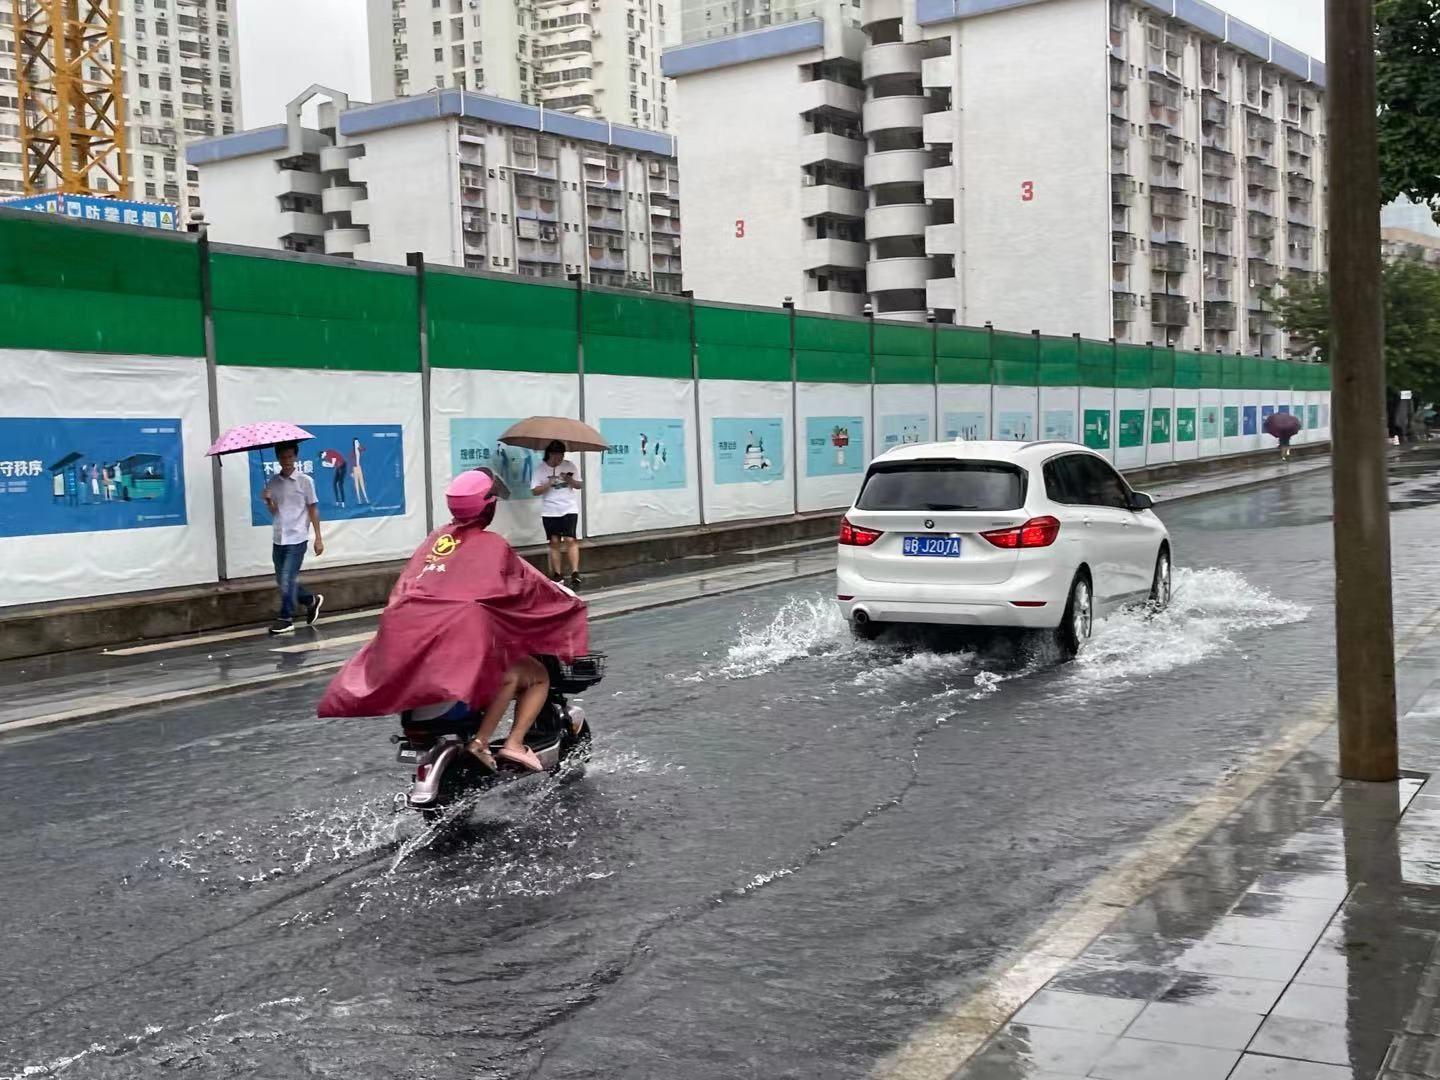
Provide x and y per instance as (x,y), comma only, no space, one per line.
(898,113)
(338,158)
(823,146)
(942,294)
(1122,191)
(906,272)
(892,58)
(1217,138)
(1262,176)
(1218,192)
(938,72)
(820,253)
(940,182)
(833,302)
(942,239)
(607,260)
(1169,310)
(613,220)
(830,199)
(339,200)
(1166,204)
(1218,290)
(831,96)
(1220,315)
(1171,258)
(942,128)
(903,315)
(898,167)
(298,223)
(345,241)
(1260,227)
(1300,214)
(1119,135)
(1167,232)
(295,182)
(904,219)
(1214,110)
(1123,248)
(1123,306)
(360,212)
(873,11)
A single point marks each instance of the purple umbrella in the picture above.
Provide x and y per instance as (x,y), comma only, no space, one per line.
(257,437)
(1282,425)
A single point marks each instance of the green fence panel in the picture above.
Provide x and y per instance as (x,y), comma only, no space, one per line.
(1189,374)
(904,354)
(963,354)
(1059,361)
(1253,375)
(1132,367)
(1097,363)
(1232,372)
(1212,374)
(79,288)
(272,312)
(487,323)
(735,343)
(1162,366)
(1017,360)
(831,350)
(625,334)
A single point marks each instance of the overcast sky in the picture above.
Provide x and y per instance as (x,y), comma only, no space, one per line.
(285,45)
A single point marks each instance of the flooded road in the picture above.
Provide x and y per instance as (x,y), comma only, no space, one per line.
(789,850)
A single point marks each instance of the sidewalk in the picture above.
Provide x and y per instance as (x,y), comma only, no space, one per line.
(1297,940)
(85,685)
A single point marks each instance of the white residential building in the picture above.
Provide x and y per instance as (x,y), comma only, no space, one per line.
(182,82)
(1143,169)
(467,179)
(588,57)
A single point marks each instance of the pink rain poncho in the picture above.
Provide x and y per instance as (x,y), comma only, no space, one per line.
(466,607)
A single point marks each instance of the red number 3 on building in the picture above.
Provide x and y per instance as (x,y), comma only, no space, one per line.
(1027,191)
(739,228)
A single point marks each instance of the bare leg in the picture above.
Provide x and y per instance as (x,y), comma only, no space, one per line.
(494,713)
(534,689)
(557,558)
(572,549)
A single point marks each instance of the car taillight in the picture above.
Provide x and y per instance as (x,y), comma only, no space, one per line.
(421,771)
(1037,532)
(855,536)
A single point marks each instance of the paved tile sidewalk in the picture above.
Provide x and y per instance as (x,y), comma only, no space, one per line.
(1299,941)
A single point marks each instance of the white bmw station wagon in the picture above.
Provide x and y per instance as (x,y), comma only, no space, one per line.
(1030,535)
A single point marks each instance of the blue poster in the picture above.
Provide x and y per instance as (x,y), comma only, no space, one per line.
(748,450)
(903,429)
(68,475)
(971,425)
(834,445)
(358,469)
(1015,426)
(1060,424)
(1247,423)
(644,455)
(476,442)
(1314,416)
(1282,408)
(1266,411)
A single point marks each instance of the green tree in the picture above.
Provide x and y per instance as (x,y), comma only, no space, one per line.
(1407,75)
(1412,323)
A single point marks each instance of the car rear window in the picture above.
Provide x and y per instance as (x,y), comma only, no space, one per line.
(943,485)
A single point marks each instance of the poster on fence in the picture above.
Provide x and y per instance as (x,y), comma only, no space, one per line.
(89,474)
(1014,426)
(644,455)
(835,445)
(1059,424)
(475,443)
(358,470)
(1097,429)
(970,424)
(748,449)
(903,429)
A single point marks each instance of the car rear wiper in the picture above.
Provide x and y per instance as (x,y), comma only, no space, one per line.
(950,506)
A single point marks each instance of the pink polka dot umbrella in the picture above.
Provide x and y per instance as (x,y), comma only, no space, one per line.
(259,436)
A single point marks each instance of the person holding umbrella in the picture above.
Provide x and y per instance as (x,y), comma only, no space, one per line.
(557,482)
(1283,426)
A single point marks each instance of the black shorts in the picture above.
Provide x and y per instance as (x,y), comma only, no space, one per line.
(562,527)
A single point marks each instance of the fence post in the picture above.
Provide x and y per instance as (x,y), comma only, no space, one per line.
(579,281)
(1079,392)
(689,295)
(935,367)
(869,313)
(416,260)
(789,305)
(1146,428)
(990,351)
(1035,377)
(212,391)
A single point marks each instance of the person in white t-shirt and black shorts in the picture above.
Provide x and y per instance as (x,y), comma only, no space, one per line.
(557,482)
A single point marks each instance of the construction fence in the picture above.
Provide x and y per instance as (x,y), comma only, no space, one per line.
(124,351)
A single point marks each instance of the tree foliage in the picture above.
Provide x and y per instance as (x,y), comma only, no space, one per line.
(1408,87)
(1412,323)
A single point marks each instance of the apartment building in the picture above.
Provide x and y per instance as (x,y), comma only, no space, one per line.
(467,179)
(182,82)
(1147,169)
(596,58)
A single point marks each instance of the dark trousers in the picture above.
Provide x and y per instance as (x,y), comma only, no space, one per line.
(288,558)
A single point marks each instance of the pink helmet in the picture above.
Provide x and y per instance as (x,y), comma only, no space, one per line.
(470,494)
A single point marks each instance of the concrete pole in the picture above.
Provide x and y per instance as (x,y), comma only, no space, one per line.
(1364,631)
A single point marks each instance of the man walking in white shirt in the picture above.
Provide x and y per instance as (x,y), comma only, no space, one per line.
(290,497)
(557,482)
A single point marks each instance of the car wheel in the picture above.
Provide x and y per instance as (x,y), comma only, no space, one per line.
(1079,618)
(1160,589)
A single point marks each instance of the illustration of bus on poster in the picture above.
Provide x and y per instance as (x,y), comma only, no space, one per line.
(74,474)
(358,469)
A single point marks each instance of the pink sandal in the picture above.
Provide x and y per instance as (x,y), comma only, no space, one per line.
(524,757)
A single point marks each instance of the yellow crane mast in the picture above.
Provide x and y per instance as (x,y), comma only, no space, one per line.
(72,97)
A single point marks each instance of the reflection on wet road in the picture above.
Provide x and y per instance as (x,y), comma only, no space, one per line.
(789,850)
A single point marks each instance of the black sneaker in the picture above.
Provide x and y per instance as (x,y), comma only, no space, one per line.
(282,626)
(559,579)
(312,613)
(575,581)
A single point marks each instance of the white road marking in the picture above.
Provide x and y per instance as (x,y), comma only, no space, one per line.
(944,1045)
(229,635)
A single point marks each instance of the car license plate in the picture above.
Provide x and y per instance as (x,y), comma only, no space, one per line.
(939,547)
(407,754)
